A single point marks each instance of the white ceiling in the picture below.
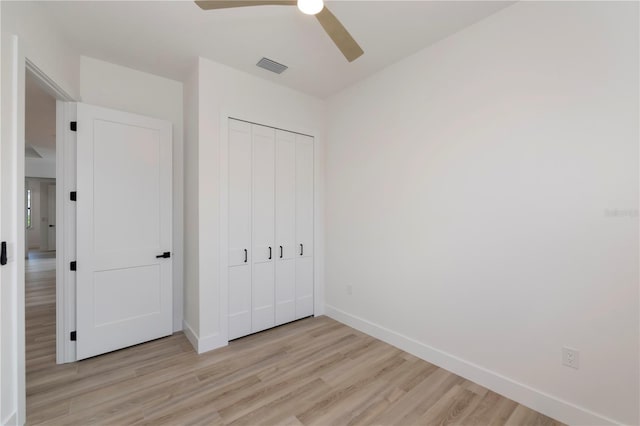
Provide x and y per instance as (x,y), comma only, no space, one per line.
(165,37)
(40,121)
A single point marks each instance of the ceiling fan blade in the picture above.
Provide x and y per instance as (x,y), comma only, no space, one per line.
(226,4)
(339,34)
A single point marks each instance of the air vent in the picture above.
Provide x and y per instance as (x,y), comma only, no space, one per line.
(272,66)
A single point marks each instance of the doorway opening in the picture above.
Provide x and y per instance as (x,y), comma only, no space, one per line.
(40,226)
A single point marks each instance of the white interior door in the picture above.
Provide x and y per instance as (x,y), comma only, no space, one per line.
(124,289)
(263,232)
(51,214)
(285,295)
(239,229)
(304,226)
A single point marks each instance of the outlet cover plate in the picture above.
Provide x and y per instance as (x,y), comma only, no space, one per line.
(570,357)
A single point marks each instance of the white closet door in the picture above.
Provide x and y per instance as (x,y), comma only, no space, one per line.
(285,226)
(239,229)
(263,285)
(304,226)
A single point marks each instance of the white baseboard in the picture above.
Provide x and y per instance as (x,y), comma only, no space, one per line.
(12,420)
(190,334)
(537,400)
(211,342)
(203,344)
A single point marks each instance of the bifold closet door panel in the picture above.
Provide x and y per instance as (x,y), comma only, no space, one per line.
(304,196)
(239,302)
(304,226)
(285,226)
(240,253)
(304,287)
(263,230)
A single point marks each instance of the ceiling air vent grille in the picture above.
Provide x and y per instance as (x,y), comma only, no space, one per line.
(272,66)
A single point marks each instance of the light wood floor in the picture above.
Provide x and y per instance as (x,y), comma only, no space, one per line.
(315,371)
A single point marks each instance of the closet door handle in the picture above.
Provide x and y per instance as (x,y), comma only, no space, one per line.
(280,252)
(269,252)
(3,253)
(301,250)
(245,255)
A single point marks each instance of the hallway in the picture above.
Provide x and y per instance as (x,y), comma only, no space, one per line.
(40,312)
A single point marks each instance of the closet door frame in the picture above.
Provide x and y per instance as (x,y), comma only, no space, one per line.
(318,207)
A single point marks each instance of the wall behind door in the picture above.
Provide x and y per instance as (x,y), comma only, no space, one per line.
(113,86)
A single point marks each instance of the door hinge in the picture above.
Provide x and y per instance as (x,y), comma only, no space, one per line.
(73,336)
(73,265)
(73,196)
(73,126)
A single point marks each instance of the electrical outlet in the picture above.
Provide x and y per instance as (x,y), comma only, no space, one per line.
(349,289)
(570,357)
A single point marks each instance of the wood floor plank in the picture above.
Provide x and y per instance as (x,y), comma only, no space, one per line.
(315,371)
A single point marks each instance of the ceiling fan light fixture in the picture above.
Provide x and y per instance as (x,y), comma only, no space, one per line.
(310,7)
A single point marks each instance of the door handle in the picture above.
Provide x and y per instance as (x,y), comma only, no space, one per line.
(280,252)
(245,255)
(301,250)
(165,255)
(3,253)
(269,252)
(51,226)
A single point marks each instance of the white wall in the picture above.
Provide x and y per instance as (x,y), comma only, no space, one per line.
(42,44)
(191,205)
(482,200)
(40,167)
(223,90)
(113,86)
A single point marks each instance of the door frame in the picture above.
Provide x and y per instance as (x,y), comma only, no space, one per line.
(318,210)
(20,65)
(63,348)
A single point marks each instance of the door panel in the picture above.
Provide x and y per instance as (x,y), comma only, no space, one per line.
(304,287)
(111,285)
(285,291)
(126,174)
(304,226)
(239,301)
(285,226)
(240,254)
(124,292)
(262,297)
(51,214)
(263,291)
(239,192)
(304,196)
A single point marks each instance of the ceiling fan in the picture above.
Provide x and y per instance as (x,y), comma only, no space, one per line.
(338,33)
